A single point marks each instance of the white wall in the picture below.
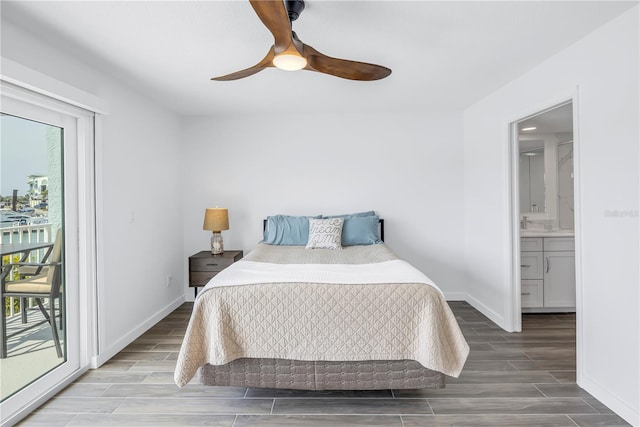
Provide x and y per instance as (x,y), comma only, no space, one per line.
(405,166)
(139,177)
(604,68)
(141,217)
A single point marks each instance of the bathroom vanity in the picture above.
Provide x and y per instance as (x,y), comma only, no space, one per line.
(547,270)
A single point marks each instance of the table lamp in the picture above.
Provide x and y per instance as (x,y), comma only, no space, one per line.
(216,220)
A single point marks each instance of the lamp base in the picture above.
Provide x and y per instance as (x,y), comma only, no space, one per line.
(216,243)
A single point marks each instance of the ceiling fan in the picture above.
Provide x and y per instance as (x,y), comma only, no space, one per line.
(290,53)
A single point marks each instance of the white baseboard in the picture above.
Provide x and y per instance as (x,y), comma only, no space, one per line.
(495,317)
(117,347)
(611,401)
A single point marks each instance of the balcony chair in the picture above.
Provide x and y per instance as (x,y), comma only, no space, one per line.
(40,286)
(27,269)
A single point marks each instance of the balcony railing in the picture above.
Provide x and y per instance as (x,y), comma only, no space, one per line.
(33,233)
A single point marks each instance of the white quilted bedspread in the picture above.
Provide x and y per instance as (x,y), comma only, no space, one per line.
(288,318)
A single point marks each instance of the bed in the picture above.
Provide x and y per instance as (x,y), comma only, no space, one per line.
(285,316)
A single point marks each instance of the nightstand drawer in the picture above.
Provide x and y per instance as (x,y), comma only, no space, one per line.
(201,278)
(210,264)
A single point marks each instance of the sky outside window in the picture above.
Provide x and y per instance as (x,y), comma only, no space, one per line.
(23,152)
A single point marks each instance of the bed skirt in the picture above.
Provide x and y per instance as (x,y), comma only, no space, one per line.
(321,375)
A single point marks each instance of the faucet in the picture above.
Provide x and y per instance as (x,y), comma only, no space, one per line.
(524,221)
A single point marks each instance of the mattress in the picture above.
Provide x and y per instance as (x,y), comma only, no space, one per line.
(361,304)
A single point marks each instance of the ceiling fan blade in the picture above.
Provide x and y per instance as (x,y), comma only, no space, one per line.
(273,15)
(352,70)
(266,62)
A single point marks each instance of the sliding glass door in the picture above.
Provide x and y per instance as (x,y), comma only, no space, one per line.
(43,156)
(32,201)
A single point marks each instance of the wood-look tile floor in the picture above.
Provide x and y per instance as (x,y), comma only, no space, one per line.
(524,379)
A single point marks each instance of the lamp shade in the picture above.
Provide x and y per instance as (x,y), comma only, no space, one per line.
(216,219)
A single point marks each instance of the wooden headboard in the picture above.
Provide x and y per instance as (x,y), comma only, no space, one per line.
(380,221)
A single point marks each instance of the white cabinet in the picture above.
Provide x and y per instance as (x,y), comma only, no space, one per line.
(560,279)
(547,270)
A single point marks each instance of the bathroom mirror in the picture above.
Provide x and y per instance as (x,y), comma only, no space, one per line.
(532,189)
(545,146)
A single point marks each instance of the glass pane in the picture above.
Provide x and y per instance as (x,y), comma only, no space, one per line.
(532,181)
(31,206)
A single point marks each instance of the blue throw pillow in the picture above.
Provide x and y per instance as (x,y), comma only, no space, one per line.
(352,215)
(361,230)
(287,230)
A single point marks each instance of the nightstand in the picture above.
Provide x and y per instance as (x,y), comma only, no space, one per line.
(203,266)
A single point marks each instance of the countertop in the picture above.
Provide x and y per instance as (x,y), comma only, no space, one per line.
(543,233)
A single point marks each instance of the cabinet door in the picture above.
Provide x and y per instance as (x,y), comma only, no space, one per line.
(559,279)
(531,265)
(531,293)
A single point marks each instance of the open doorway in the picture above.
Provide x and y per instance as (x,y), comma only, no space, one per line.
(546,211)
(544,267)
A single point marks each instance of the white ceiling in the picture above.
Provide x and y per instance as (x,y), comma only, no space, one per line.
(444,55)
(557,121)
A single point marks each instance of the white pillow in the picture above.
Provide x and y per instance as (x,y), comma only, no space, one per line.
(325,233)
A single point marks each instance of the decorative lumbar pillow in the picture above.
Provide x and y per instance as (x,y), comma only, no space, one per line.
(325,233)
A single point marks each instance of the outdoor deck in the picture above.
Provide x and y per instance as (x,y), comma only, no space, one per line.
(30,352)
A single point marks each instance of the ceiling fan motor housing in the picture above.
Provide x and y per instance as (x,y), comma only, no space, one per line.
(294,8)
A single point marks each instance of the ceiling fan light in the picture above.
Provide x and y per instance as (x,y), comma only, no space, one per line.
(289,62)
